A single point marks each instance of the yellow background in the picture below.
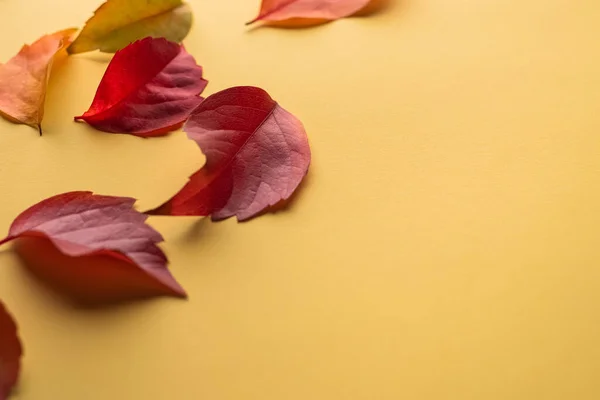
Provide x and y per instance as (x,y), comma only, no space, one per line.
(445,245)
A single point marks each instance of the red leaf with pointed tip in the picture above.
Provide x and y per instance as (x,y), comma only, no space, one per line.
(81,224)
(257,154)
(289,10)
(149,89)
(10,353)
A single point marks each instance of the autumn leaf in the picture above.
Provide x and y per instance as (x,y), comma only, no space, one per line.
(11,351)
(257,154)
(118,23)
(149,89)
(23,79)
(83,225)
(288,11)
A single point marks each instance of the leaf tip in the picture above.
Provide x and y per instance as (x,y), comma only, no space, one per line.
(71,48)
(252,21)
(180,293)
(161,210)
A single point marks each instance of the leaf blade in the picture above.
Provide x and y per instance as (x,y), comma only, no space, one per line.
(11,351)
(287,12)
(23,79)
(149,89)
(257,154)
(82,224)
(116,24)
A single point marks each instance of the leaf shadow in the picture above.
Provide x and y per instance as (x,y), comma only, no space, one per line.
(376,7)
(204,228)
(96,56)
(196,231)
(290,24)
(87,282)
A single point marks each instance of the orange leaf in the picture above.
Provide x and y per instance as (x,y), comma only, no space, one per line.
(290,12)
(23,79)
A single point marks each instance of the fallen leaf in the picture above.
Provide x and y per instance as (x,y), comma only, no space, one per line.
(23,79)
(149,89)
(82,224)
(283,11)
(11,351)
(257,154)
(117,23)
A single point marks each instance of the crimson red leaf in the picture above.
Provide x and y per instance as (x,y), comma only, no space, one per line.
(149,89)
(81,224)
(257,154)
(10,353)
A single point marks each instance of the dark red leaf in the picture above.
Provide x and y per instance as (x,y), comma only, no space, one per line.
(257,154)
(149,89)
(82,225)
(10,353)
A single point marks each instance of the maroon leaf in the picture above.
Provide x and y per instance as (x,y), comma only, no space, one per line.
(10,353)
(82,225)
(257,154)
(149,89)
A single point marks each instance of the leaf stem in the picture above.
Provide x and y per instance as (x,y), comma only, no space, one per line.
(6,240)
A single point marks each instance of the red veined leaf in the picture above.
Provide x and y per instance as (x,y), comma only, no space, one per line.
(82,225)
(11,351)
(149,89)
(287,12)
(257,154)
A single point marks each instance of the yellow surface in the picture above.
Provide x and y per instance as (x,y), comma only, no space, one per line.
(444,247)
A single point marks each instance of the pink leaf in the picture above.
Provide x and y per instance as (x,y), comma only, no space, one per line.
(287,12)
(11,351)
(82,224)
(257,154)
